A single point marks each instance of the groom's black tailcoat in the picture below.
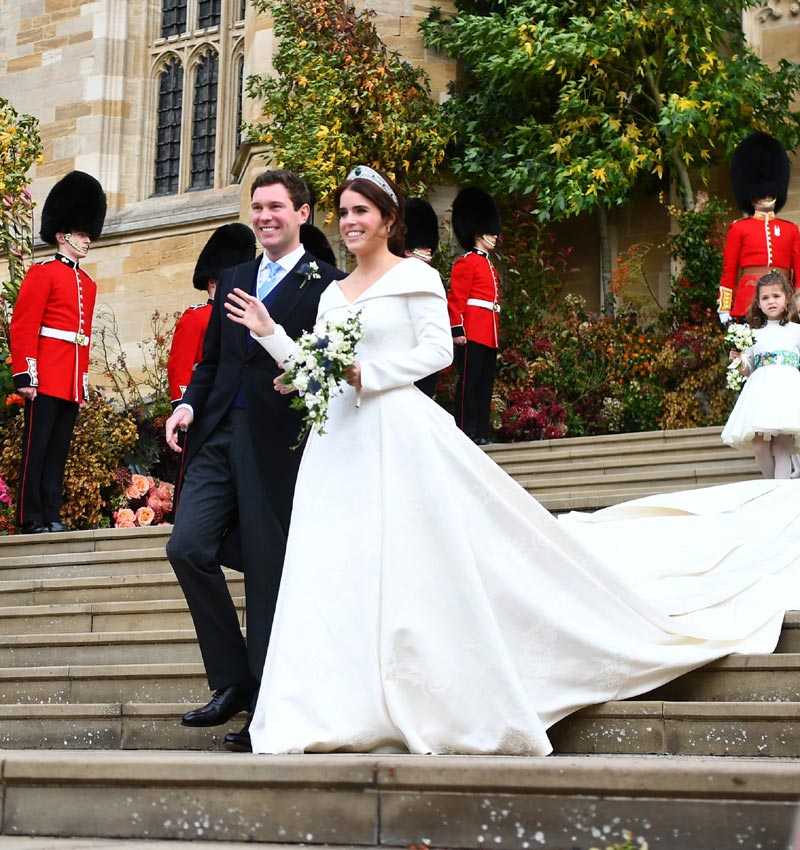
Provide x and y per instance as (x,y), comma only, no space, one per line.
(240,471)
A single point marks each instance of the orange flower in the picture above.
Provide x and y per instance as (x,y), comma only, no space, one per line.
(126,516)
(144,516)
(14,398)
(141,484)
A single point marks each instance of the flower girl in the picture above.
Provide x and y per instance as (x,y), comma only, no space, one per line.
(767,413)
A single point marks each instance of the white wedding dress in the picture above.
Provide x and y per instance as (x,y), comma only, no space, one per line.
(429,604)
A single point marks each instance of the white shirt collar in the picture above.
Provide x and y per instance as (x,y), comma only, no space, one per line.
(286,262)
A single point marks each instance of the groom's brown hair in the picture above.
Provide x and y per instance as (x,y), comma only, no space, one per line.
(296,187)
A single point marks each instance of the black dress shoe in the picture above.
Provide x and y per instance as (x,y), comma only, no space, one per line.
(56,526)
(239,742)
(225,703)
(34,527)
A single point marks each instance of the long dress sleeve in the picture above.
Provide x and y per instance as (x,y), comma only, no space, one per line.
(434,350)
(417,304)
(279,345)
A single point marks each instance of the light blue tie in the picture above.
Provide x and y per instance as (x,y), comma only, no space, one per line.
(268,279)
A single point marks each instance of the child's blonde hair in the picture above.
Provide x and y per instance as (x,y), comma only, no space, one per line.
(756,318)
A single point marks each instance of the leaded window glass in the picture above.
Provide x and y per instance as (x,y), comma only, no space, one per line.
(239,104)
(209,14)
(168,133)
(173,18)
(204,122)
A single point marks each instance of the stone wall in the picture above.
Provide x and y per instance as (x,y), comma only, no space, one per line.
(85,69)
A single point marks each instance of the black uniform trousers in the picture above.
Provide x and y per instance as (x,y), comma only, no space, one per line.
(46,437)
(222,489)
(475,364)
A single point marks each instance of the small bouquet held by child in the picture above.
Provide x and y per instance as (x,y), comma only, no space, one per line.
(738,337)
(317,369)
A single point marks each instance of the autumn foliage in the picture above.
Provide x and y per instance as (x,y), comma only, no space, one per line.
(342,99)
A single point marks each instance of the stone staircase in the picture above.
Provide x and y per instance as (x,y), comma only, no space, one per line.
(584,473)
(98,662)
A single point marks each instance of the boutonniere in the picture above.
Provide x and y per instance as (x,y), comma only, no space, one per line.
(309,271)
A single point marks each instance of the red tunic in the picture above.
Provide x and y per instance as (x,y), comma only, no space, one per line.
(761,241)
(55,295)
(187,348)
(474,278)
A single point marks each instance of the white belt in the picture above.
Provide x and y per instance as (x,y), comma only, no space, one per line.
(487,305)
(67,336)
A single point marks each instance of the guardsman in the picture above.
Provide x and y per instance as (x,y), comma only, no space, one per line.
(422,240)
(51,330)
(761,242)
(228,246)
(316,243)
(473,304)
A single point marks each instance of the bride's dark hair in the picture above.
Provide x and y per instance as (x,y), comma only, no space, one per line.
(383,201)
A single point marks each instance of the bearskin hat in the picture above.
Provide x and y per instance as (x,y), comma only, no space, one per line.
(228,246)
(474,213)
(759,169)
(316,243)
(422,225)
(76,202)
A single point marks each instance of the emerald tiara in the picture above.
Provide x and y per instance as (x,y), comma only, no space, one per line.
(364,172)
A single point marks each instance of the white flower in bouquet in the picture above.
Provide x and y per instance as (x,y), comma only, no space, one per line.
(734,378)
(319,367)
(739,336)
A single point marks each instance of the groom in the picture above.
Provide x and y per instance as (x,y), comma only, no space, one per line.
(240,469)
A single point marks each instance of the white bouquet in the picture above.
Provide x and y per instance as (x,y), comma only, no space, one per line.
(318,367)
(739,337)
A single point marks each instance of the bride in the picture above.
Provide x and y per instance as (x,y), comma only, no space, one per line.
(429,604)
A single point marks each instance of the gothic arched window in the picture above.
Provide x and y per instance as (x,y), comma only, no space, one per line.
(204,122)
(168,131)
(196,54)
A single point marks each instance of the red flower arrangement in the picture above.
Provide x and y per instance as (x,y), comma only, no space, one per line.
(534,415)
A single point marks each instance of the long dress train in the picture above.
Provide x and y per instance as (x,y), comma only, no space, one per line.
(430,604)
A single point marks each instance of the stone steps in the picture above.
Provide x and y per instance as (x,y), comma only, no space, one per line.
(127,588)
(675,803)
(182,682)
(61,565)
(98,662)
(32,842)
(120,648)
(731,729)
(580,473)
(91,617)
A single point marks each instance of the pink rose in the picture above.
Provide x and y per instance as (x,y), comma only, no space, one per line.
(144,516)
(131,492)
(141,484)
(153,501)
(124,518)
(166,505)
(165,491)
